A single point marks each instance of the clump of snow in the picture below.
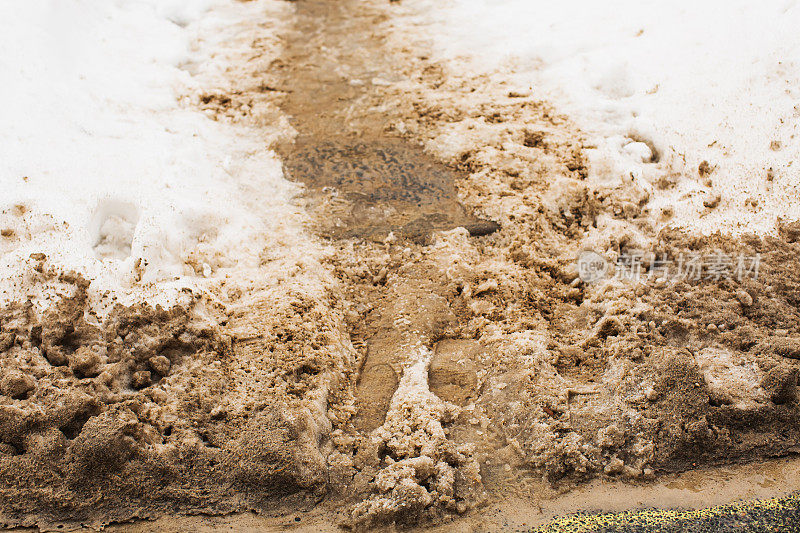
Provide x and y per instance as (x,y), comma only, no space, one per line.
(662,88)
(105,172)
(425,472)
(731,379)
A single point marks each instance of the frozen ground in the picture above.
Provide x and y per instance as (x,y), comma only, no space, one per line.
(714,81)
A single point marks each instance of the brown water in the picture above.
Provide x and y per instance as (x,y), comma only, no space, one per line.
(379,187)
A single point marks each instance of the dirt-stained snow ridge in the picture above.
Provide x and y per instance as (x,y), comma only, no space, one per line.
(168,335)
(690,89)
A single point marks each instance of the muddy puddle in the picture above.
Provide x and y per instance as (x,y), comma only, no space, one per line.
(362,182)
(373,188)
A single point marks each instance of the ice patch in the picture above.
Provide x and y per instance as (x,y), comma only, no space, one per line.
(413,385)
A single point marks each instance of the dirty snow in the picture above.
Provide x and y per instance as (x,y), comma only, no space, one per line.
(107,172)
(712,81)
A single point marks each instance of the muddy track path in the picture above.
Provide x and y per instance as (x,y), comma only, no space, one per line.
(369,185)
(386,198)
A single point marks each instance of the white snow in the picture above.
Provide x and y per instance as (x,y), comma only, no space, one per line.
(711,80)
(107,173)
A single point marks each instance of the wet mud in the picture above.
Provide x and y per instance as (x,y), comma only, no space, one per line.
(456,363)
(485,364)
(371,187)
(150,411)
(542,375)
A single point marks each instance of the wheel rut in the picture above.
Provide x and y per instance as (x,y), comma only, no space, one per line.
(365,184)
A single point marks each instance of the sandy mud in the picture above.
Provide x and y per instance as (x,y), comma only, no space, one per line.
(454,357)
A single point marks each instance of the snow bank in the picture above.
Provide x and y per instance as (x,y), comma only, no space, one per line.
(105,172)
(714,81)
